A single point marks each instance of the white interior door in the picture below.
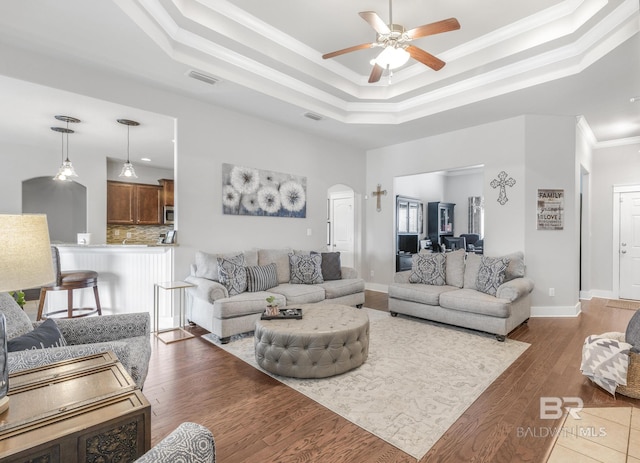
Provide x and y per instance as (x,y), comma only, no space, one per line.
(342,223)
(630,245)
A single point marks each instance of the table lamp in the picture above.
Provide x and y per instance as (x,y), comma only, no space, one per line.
(25,262)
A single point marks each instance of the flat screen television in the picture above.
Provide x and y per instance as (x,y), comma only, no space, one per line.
(454,243)
(407,244)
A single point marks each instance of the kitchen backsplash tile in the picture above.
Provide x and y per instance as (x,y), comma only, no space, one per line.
(140,234)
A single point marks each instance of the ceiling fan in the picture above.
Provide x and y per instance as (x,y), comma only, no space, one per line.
(396,43)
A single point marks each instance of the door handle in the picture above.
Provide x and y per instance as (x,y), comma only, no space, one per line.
(624,244)
(623,251)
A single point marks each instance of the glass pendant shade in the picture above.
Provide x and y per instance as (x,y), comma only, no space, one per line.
(66,171)
(392,58)
(127,169)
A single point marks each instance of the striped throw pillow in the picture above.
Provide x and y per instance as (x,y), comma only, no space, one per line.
(261,277)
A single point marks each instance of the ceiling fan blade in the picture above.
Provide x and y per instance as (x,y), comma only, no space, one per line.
(376,73)
(425,58)
(438,27)
(374,21)
(347,50)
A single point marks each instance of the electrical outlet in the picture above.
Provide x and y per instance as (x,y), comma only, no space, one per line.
(128,235)
(552,292)
(308,231)
(116,232)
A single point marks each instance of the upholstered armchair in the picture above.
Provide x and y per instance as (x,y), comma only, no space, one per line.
(126,335)
(188,443)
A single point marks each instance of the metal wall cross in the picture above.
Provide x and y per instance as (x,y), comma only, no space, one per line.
(379,192)
(502,181)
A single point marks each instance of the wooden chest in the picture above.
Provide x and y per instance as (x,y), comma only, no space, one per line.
(80,410)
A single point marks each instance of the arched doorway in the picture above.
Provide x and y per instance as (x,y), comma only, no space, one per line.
(64,203)
(341,223)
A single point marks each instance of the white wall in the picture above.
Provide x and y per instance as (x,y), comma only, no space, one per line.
(613,166)
(537,152)
(206,137)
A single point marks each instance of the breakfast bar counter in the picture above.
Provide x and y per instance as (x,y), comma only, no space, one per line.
(126,275)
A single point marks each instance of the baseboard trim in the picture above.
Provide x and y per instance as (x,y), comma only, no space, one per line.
(556,311)
(603,294)
(376,287)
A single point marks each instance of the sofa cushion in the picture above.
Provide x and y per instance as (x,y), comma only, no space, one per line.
(330,266)
(233,274)
(305,270)
(244,304)
(516,266)
(424,294)
(339,288)
(207,264)
(280,257)
(261,277)
(16,320)
(300,294)
(469,300)
(455,268)
(43,336)
(491,274)
(428,269)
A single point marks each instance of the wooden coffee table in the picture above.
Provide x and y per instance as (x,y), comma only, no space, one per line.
(329,339)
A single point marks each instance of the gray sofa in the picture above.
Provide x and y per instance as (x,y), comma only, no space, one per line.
(459,302)
(210,305)
(126,335)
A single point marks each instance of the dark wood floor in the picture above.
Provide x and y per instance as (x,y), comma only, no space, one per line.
(254,418)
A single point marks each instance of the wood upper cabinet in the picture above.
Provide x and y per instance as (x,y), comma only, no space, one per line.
(134,203)
(167,191)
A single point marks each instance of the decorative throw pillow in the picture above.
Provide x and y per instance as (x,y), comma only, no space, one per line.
(45,335)
(331,267)
(491,274)
(261,277)
(429,269)
(305,270)
(232,274)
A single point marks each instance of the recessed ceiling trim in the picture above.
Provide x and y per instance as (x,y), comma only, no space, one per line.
(185,46)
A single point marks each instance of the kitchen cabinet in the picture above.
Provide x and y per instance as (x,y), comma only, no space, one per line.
(134,203)
(167,191)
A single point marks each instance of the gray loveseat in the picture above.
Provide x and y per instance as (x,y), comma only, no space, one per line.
(211,306)
(459,302)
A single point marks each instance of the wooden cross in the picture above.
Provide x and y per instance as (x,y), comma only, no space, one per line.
(377,194)
(502,181)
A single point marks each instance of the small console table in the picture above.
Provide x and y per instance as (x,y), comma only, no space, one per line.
(170,334)
(83,409)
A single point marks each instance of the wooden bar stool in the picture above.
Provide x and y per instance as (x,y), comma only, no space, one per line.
(68,281)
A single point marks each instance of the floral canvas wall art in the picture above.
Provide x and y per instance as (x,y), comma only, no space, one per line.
(249,191)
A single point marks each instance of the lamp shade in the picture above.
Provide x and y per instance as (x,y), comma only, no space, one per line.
(25,252)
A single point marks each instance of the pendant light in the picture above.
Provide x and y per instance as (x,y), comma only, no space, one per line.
(127,169)
(66,170)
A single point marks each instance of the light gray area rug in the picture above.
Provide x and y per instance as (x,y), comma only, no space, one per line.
(419,378)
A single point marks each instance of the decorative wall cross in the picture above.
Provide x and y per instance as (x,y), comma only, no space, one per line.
(502,181)
(379,192)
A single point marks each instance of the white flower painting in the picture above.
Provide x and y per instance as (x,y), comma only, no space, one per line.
(248,191)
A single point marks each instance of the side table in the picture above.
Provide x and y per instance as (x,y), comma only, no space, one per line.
(170,334)
(73,411)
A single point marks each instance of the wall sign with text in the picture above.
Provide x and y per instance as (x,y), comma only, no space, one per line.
(550,209)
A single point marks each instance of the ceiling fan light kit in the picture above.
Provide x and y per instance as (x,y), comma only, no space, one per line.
(396,43)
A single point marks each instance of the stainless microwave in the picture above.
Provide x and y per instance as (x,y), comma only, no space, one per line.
(168,215)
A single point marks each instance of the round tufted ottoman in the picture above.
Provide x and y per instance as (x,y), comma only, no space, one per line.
(329,340)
